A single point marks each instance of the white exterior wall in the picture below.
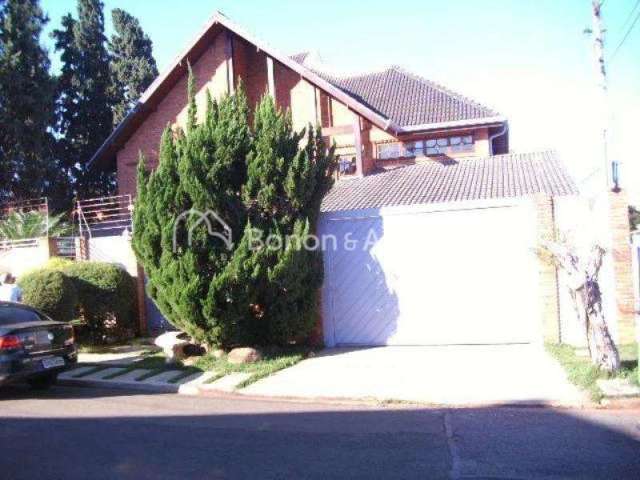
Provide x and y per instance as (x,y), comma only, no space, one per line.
(114,249)
(23,259)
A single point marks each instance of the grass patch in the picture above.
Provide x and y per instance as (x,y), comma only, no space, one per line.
(153,361)
(582,373)
(186,372)
(629,363)
(273,360)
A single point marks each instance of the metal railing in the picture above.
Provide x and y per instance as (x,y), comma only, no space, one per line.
(22,243)
(104,215)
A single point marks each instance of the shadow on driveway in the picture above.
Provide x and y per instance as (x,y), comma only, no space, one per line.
(89,433)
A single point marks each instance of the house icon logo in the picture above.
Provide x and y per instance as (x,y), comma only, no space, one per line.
(216,227)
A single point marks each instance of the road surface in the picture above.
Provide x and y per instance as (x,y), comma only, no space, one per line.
(83,433)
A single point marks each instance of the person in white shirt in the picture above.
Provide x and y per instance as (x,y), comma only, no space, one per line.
(9,291)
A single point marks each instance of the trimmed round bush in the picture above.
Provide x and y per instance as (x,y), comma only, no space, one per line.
(51,292)
(107,300)
(58,263)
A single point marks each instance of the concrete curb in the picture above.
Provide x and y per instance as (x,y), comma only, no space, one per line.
(392,403)
(201,391)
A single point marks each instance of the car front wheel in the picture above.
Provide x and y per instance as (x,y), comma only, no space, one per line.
(43,382)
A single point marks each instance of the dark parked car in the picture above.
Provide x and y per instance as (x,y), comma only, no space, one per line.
(33,347)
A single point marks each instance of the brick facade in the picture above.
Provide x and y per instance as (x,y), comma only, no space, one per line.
(622,266)
(548,279)
(226,53)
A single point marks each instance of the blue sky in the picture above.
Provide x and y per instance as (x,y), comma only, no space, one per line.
(530,61)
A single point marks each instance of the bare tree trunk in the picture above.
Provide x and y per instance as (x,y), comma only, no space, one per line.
(582,281)
(580,307)
(602,349)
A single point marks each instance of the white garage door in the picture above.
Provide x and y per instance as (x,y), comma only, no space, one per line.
(428,276)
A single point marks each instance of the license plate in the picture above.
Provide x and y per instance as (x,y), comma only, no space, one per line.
(53,362)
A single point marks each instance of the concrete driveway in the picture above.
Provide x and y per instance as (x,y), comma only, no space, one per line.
(449,375)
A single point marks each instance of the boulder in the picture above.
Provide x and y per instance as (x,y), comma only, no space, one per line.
(173,345)
(244,355)
(218,353)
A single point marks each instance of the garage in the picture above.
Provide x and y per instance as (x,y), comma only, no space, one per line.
(435,274)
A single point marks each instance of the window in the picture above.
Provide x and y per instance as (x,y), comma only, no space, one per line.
(414,149)
(388,150)
(442,146)
(430,147)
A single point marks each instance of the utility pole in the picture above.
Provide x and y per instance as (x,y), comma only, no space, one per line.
(598,33)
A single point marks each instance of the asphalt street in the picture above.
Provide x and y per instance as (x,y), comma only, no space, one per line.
(83,433)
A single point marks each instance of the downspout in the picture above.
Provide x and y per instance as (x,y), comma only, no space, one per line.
(502,131)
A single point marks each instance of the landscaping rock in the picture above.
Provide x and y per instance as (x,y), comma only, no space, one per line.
(173,345)
(218,353)
(244,355)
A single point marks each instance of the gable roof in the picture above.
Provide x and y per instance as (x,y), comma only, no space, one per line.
(500,176)
(410,100)
(158,89)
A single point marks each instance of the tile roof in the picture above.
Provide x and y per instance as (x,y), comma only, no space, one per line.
(405,98)
(499,176)
(299,57)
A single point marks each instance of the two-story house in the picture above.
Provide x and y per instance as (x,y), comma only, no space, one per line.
(455,217)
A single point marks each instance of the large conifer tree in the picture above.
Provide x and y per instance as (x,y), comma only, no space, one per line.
(133,67)
(84,98)
(27,168)
(260,182)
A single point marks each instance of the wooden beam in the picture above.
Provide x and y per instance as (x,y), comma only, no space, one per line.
(315,106)
(342,130)
(357,142)
(228,53)
(271,78)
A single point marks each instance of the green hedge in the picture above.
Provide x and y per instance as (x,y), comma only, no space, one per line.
(101,295)
(107,300)
(52,292)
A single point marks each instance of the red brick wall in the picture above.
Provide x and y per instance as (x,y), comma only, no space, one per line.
(548,275)
(210,73)
(622,267)
(250,65)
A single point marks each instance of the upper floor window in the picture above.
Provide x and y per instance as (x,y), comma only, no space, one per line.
(444,145)
(388,150)
(414,149)
(431,147)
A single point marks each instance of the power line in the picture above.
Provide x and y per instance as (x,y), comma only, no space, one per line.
(630,16)
(628,32)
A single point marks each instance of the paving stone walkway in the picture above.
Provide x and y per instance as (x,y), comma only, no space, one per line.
(171,381)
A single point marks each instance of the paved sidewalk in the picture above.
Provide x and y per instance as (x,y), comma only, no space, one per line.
(452,375)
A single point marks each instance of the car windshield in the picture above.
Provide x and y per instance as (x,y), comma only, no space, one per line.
(10,315)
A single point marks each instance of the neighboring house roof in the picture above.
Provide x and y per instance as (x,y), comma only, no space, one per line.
(409,100)
(300,57)
(499,176)
(162,85)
